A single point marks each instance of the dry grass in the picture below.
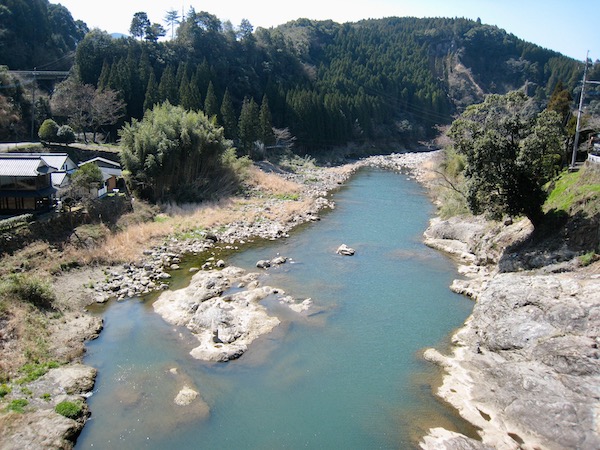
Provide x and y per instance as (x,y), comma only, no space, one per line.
(271,183)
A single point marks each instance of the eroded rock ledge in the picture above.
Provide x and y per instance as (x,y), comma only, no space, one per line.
(224,320)
(526,365)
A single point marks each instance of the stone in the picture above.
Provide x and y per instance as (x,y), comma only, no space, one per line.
(224,327)
(279,260)
(263,264)
(185,396)
(345,250)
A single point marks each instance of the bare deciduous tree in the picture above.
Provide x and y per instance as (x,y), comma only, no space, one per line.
(86,108)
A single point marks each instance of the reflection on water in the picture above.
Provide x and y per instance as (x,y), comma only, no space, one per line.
(349,376)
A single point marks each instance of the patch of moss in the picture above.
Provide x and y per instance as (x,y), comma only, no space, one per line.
(32,372)
(71,410)
(18,405)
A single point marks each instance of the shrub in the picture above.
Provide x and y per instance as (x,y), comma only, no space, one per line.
(70,410)
(48,131)
(65,134)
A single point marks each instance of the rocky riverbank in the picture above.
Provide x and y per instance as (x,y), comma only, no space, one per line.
(225,324)
(525,368)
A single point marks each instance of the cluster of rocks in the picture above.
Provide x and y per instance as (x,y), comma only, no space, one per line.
(525,368)
(415,163)
(266,263)
(225,322)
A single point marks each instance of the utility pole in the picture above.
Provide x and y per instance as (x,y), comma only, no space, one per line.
(580,111)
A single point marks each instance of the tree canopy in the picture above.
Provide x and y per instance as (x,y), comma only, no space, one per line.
(37,33)
(511,151)
(392,79)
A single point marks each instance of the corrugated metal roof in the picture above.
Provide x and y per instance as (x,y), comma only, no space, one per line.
(23,167)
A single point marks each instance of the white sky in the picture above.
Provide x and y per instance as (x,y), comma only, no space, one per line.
(571,27)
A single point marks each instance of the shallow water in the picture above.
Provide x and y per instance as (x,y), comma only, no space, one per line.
(348,376)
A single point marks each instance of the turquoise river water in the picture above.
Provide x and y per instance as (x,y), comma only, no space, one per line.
(348,376)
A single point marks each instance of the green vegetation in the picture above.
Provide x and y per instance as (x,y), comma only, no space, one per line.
(70,410)
(4,390)
(575,190)
(36,33)
(510,153)
(18,405)
(27,289)
(46,397)
(176,154)
(33,371)
(388,80)
(588,258)
(14,222)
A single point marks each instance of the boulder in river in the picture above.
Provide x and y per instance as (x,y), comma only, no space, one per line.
(224,325)
(345,250)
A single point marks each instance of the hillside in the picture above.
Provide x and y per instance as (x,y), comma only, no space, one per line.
(386,81)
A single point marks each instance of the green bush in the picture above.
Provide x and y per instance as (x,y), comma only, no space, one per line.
(48,131)
(19,287)
(70,410)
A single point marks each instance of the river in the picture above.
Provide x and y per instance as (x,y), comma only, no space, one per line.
(350,375)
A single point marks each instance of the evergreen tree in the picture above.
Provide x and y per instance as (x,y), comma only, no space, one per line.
(152,96)
(228,117)
(265,123)
(167,88)
(139,24)
(211,107)
(172,19)
(248,127)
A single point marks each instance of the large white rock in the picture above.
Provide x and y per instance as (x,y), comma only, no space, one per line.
(224,326)
(345,250)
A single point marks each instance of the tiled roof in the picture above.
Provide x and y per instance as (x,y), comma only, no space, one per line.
(23,167)
(56,160)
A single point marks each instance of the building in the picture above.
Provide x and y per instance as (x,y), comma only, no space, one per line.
(29,181)
(25,186)
(111,173)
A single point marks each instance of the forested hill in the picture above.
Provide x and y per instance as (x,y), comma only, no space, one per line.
(36,33)
(386,80)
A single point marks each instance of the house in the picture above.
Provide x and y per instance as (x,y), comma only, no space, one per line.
(111,173)
(24,187)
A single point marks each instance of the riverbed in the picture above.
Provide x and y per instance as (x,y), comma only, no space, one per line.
(348,374)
